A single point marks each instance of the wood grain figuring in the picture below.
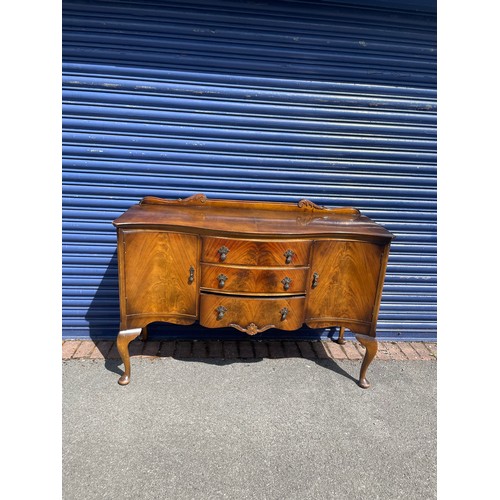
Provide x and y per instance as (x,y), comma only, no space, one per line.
(347,283)
(245,310)
(157,269)
(253,280)
(256,253)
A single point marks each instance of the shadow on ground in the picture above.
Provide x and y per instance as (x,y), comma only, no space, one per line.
(196,351)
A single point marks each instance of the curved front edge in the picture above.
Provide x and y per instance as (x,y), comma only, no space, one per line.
(353,325)
(371,346)
(123,340)
(143,320)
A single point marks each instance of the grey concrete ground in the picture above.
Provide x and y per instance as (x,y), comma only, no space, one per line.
(272,429)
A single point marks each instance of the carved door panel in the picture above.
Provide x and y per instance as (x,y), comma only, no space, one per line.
(161,275)
(344,283)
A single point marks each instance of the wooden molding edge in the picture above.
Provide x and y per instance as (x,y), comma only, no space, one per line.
(201,199)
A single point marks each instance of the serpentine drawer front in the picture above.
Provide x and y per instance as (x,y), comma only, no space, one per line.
(256,253)
(253,280)
(285,313)
(251,266)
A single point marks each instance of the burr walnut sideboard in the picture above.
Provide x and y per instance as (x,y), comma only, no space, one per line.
(251,266)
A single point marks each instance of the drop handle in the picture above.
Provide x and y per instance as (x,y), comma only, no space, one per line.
(221,310)
(222,280)
(223,251)
(289,254)
(283,312)
(286,282)
(315,280)
(191,274)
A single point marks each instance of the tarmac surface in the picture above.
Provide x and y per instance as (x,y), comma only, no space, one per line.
(268,429)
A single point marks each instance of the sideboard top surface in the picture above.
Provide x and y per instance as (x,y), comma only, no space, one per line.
(198,214)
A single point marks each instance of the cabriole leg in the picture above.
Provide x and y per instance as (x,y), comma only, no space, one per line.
(341,340)
(371,346)
(123,340)
(144,334)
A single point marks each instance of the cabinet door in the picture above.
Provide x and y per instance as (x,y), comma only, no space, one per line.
(160,275)
(347,284)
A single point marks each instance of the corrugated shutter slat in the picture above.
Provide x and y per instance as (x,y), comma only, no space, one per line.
(274,101)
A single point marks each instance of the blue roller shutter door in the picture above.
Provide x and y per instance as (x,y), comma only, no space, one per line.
(245,100)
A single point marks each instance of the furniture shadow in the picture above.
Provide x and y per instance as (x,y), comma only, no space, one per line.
(103,316)
(328,364)
(222,353)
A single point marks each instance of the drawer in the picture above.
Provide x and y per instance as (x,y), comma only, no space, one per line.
(251,314)
(256,253)
(253,279)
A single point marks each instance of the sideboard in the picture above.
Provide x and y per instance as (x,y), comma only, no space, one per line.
(251,266)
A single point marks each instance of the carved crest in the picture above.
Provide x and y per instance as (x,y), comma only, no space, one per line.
(195,199)
(309,205)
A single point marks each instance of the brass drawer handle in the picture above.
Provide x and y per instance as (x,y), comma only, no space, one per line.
(315,280)
(191,274)
(222,280)
(252,328)
(221,310)
(283,312)
(223,251)
(289,254)
(286,282)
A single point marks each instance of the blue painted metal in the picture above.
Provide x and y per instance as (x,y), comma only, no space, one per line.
(329,101)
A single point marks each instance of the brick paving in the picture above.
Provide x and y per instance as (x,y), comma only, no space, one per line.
(351,351)
(306,349)
(151,348)
(334,350)
(102,349)
(229,349)
(200,349)
(276,349)
(215,349)
(291,350)
(261,350)
(167,349)
(84,350)
(246,350)
(422,350)
(408,351)
(69,348)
